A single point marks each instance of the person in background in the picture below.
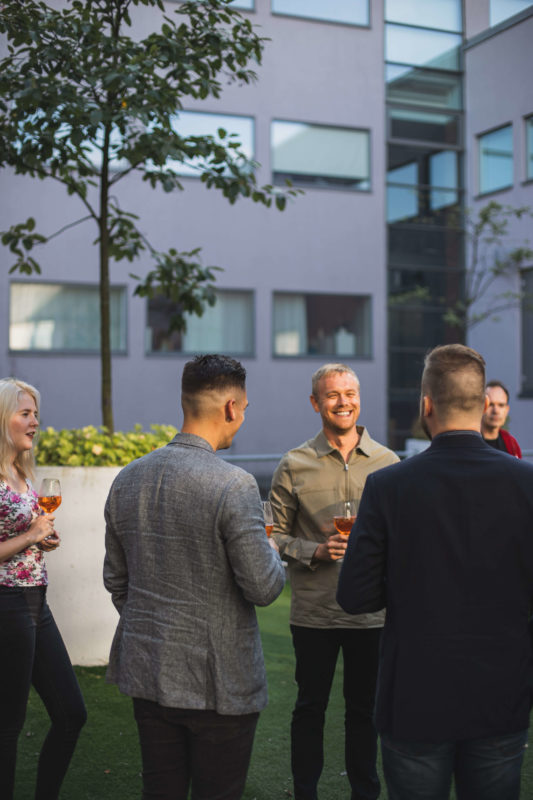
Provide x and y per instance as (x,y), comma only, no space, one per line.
(444,539)
(308,486)
(32,649)
(187,559)
(494,419)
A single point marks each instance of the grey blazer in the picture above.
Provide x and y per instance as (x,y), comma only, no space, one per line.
(187,558)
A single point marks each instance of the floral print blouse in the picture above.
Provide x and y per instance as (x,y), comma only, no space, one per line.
(17,511)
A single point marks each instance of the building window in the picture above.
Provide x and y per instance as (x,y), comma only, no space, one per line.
(196,123)
(424,126)
(58,317)
(351,12)
(529,148)
(496,160)
(423,87)
(226,327)
(444,15)
(503,9)
(246,4)
(322,325)
(317,155)
(421,47)
(527,332)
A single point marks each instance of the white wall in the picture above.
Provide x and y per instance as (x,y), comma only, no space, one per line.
(81,606)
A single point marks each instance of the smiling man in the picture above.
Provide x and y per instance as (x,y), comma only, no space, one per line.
(310,486)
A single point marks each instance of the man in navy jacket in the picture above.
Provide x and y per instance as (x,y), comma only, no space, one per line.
(444,540)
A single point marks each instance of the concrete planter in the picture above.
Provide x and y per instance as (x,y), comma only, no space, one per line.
(81,606)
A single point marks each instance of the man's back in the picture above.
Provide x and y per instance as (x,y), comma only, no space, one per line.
(185,528)
(456,654)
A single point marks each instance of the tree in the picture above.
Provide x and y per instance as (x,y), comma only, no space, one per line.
(489,258)
(85,104)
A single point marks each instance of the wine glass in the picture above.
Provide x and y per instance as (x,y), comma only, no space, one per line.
(269,519)
(345,515)
(49,495)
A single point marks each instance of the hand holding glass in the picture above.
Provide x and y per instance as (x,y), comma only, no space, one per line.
(269,519)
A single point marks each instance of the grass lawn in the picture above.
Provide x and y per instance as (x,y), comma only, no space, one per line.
(106,765)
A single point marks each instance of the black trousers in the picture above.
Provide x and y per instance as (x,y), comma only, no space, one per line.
(33,653)
(184,748)
(316,651)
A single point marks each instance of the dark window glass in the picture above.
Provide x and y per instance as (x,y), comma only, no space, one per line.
(404,414)
(422,185)
(424,287)
(422,48)
(423,87)
(429,127)
(322,324)
(417,327)
(226,327)
(425,246)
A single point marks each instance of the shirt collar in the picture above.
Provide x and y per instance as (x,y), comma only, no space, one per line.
(365,447)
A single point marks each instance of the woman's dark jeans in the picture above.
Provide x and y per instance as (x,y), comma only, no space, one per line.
(33,653)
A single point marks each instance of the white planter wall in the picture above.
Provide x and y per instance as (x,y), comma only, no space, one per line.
(81,606)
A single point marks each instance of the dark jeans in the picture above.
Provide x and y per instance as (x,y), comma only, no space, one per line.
(33,653)
(185,747)
(316,651)
(484,769)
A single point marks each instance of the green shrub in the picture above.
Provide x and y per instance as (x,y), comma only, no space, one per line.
(95,447)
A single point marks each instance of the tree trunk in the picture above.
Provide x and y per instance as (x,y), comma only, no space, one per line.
(105,315)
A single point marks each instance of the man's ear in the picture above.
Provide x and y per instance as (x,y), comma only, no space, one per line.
(427,406)
(486,404)
(314,403)
(229,410)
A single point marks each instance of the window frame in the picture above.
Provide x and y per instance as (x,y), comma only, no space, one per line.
(324,19)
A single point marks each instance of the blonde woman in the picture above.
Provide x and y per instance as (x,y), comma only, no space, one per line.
(32,649)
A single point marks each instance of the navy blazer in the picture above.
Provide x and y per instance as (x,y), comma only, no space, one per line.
(445,541)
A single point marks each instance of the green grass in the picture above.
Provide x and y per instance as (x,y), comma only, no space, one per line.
(106,765)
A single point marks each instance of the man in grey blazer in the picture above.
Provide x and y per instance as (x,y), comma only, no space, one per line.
(187,559)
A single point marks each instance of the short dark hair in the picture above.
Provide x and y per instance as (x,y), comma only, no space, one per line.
(212,372)
(454,378)
(499,385)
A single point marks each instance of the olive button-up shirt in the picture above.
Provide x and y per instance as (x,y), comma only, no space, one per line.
(309,484)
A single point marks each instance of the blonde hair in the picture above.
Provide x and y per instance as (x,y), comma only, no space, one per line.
(10,391)
(329,369)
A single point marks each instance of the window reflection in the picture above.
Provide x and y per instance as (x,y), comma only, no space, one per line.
(422,87)
(227,327)
(503,9)
(529,148)
(422,47)
(442,14)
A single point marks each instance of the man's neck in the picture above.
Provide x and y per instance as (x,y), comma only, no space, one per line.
(345,443)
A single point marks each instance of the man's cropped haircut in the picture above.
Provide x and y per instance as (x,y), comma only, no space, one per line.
(498,385)
(212,372)
(454,378)
(329,369)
